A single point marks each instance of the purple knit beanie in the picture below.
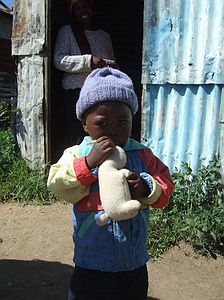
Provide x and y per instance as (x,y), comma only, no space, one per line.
(103,85)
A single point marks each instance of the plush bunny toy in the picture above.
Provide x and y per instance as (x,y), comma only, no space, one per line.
(114,191)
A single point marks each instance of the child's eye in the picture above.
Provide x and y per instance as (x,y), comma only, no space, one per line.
(102,124)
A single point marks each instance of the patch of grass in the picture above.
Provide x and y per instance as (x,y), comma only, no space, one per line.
(17,181)
(195,213)
(7,151)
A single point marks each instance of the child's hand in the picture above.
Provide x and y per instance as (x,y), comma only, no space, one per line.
(137,186)
(102,148)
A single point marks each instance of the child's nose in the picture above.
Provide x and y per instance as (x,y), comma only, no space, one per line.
(112,136)
(112,132)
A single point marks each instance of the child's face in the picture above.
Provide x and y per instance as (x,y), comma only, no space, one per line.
(113,120)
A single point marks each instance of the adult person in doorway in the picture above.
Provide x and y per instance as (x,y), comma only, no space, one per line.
(80,47)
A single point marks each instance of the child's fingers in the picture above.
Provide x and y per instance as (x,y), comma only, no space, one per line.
(132,176)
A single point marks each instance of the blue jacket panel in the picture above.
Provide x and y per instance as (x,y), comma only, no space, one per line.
(117,246)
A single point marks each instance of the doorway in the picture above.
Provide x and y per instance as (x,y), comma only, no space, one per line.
(123,20)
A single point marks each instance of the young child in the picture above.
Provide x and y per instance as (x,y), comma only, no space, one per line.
(110,261)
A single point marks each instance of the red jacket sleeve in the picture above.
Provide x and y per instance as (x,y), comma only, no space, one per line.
(82,171)
(160,172)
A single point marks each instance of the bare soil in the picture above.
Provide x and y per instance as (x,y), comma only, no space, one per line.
(36,260)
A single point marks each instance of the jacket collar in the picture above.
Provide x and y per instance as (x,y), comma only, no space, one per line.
(86,146)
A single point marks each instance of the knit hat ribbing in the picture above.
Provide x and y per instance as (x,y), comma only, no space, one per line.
(106,85)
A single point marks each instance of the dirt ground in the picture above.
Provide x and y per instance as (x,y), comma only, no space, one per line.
(36,260)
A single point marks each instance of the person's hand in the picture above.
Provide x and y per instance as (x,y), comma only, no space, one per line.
(137,186)
(112,64)
(97,62)
(102,148)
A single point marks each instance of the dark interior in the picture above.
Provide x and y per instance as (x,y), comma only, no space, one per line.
(123,20)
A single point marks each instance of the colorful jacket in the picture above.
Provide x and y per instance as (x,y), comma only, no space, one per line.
(119,245)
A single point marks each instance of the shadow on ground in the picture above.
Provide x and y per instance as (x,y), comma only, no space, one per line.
(34,280)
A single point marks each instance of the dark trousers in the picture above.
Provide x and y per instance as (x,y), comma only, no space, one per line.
(96,285)
(74,132)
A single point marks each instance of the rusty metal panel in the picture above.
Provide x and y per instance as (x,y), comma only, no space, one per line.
(183,42)
(184,123)
(30,123)
(29,27)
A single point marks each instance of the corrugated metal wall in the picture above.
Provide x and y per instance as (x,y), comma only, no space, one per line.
(28,40)
(183,76)
(183,63)
(183,41)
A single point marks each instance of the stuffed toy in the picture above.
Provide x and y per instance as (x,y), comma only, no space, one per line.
(114,190)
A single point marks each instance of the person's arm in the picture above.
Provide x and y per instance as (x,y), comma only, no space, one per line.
(64,60)
(70,178)
(158,180)
(109,46)
(103,43)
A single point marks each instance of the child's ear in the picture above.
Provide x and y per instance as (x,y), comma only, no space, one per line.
(84,126)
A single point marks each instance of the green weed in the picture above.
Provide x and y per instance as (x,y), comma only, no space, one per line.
(7,150)
(17,181)
(195,213)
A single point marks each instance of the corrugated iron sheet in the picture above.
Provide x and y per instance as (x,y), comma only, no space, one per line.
(183,42)
(29,126)
(182,123)
(183,76)
(28,34)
